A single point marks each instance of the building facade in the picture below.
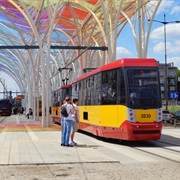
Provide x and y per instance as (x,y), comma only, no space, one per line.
(171,89)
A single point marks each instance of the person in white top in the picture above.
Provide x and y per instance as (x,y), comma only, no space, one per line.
(75,122)
(62,126)
(68,122)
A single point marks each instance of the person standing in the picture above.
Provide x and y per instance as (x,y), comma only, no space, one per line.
(62,120)
(75,122)
(29,113)
(68,122)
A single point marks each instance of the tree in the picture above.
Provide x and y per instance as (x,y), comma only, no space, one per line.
(178,72)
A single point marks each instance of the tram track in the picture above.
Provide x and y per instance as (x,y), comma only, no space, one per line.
(160,149)
(158,153)
(172,144)
(3,119)
(167,145)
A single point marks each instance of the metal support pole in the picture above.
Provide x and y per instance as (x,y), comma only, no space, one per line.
(165,49)
(166,75)
(26,47)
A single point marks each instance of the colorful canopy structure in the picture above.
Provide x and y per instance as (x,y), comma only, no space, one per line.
(45,24)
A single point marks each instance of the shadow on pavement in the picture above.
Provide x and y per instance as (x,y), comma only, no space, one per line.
(164,141)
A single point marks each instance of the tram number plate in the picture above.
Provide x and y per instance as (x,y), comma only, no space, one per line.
(145,115)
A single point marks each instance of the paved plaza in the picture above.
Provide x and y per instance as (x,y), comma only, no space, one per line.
(28,151)
(24,141)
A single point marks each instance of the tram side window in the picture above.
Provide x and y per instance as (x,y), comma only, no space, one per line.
(122,89)
(88,91)
(60,97)
(84,93)
(64,93)
(76,87)
(75,91)
(92,86)
(97,89)
(55,98)
(84,84)
(79,85)
(105,78)
(80,92)
(109,87)
(69,92)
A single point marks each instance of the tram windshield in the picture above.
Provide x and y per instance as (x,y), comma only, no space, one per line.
(64,93)
(143,88)
(4,103)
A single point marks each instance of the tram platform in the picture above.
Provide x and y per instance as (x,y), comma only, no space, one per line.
(24,141)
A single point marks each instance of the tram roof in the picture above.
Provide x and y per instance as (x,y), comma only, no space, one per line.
(125,62)
(64,86)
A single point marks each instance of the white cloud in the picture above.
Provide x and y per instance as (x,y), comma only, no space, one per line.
(122,52)
(171,48)
(172,32)
(172,39)
(159,48)
(175,10)
(165,6)
(175,60)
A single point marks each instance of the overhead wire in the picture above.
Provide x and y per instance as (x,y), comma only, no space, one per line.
(100,37)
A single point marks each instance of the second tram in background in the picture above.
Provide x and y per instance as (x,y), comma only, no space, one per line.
(5,107)
(58,96)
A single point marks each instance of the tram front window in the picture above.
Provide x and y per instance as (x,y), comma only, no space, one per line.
(144,91)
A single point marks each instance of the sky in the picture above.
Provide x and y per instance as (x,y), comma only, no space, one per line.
(156,49)
(126,46)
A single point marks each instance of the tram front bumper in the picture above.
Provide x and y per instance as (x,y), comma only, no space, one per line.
(140,131)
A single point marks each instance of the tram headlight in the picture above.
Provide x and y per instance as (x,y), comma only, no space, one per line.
(131,115)
(159,115)
(131,118)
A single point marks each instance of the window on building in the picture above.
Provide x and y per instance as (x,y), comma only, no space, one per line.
(162,80)
(172,81)
(162,95)
(161,72)
(172,88)
(172,73)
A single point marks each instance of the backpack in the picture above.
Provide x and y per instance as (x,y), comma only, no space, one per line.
(64,111)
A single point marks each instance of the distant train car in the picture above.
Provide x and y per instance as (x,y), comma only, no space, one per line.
(121,100)
(58,96)
(5,107)
(40,107)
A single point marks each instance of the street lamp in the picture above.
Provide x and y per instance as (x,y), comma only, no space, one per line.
(165,57)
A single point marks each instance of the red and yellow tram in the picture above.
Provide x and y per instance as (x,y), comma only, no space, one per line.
(120,100)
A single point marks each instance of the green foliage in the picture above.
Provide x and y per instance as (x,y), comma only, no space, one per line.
(178,72)
(172,109)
